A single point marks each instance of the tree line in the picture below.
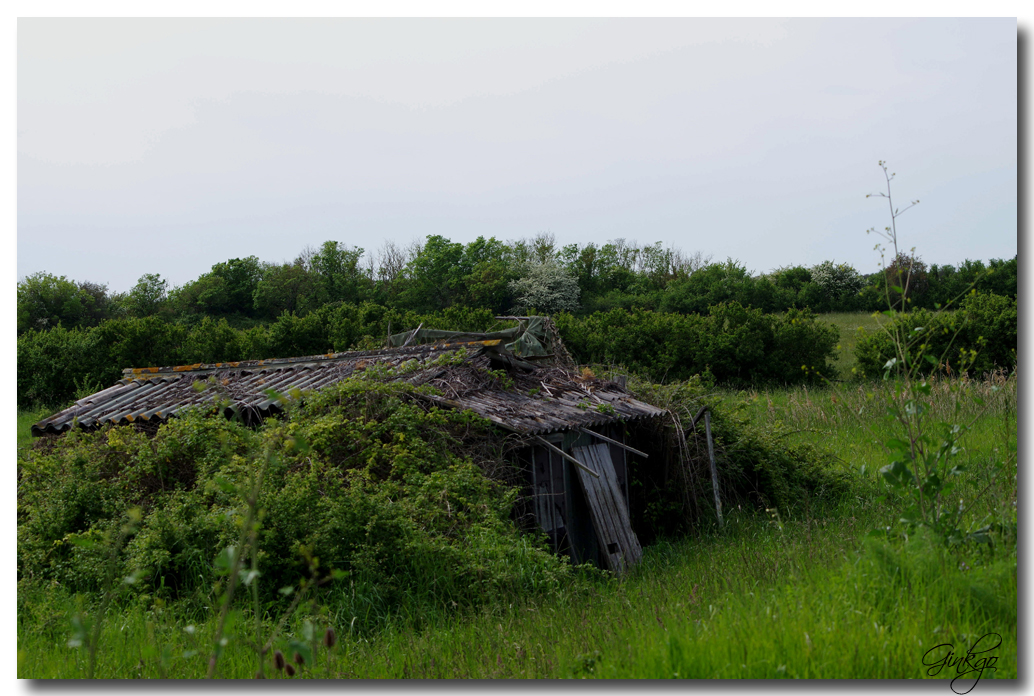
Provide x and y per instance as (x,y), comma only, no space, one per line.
(503,277)
(659,310)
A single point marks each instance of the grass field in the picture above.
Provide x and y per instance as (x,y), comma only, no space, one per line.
(811,597)
(804,599)
(849,323)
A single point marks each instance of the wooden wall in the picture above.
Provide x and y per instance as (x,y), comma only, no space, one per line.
(557,499)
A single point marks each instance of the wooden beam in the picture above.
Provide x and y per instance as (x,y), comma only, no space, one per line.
(413,335)
(622,445)
(566,456)
(714,468)
(696,418)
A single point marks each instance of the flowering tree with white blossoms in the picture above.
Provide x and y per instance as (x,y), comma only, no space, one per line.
(548,287)
(837,280)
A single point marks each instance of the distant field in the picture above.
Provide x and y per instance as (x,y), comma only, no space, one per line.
(849,323)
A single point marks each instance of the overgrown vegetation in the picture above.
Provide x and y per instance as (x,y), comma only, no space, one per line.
(366,534)
(386,493)
(762,570)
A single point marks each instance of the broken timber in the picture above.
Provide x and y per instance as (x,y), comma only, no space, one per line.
(620,547)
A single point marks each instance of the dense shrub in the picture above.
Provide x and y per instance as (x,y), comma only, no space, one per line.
(54,364)
(717,283)
(991,329)
(980,337)
(733,344)
(761,468)
(386,493)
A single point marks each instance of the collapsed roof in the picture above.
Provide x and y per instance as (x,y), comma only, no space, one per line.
(546,394)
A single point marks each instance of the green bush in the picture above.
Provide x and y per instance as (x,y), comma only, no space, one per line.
(52,363)
(991,329)
(979,337)
(760,467)
(734,345)
(386,493)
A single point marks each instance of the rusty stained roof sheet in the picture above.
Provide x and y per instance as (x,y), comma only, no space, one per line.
(542,400)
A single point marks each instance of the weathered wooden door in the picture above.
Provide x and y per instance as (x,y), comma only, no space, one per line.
(619,546)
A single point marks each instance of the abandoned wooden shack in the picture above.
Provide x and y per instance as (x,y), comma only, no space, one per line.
(567,430)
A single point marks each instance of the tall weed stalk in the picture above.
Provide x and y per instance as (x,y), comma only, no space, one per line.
(924,451)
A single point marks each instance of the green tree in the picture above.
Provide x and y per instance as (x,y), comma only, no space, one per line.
(229,288)
(336,275)
(435,276)
(487,268)
(148,296)
(46,300)
(283,288)
(241,277)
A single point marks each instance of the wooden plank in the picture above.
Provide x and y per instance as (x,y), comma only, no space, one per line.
(617,539)
(602,517)
(619,510)
(620,547)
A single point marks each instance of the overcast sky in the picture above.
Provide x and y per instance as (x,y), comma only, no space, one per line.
(168,145)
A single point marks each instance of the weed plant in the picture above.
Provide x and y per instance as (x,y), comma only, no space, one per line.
(924,452)
(766,599)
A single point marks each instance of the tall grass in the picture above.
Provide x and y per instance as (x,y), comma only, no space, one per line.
(768,598)
(765,600)
(850,420)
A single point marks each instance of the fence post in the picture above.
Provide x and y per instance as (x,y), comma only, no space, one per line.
(714,469)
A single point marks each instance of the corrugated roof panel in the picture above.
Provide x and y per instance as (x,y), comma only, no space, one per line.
(159,393)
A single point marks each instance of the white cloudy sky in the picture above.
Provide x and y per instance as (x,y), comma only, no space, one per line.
(167,145)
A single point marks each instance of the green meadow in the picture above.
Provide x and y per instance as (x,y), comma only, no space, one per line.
(849,324)
(813,593)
